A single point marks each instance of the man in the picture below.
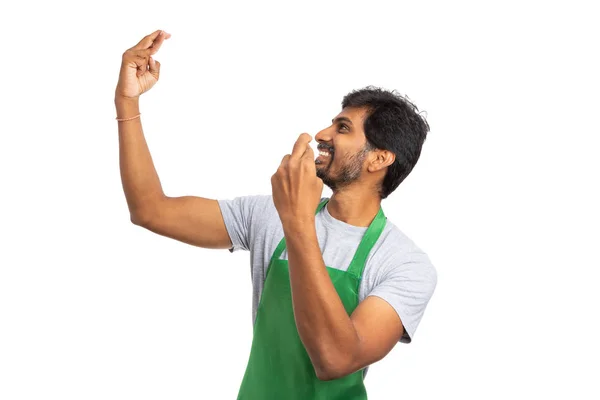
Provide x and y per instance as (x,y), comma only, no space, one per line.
(335,283)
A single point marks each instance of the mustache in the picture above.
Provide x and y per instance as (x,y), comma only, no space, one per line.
(325,147)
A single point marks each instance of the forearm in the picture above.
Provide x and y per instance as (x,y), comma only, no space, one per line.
(139,178)
(324,326)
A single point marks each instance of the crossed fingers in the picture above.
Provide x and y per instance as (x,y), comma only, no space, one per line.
(302,148)
(151,43)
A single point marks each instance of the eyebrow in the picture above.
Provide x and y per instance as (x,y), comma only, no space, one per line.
(340,119)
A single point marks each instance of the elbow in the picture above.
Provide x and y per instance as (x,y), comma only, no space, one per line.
(333,369)
(329,374)
(323,375)
(135,219)
(145,209)
(139,218)
(144,214)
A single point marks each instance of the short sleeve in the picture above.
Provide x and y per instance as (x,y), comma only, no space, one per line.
(408,287)
(238,214)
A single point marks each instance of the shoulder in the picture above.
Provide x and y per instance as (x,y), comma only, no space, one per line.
(397,256)
(248,203)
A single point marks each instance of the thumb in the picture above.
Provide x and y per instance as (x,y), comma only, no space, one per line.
(154,67)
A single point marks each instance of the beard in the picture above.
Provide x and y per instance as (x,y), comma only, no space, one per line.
(348,173)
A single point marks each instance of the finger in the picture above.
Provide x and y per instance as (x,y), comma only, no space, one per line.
(309,154)
(308,161)
(154,67)
(300,146)
(158,42)
(285,160)
(283,165)
(147,41)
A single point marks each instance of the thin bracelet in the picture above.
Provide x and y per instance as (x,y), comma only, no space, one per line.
(127,119)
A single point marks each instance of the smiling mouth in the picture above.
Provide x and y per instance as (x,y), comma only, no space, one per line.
(324,157)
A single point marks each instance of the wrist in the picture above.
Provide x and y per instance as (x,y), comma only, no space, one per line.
(122,100)
(299,226)
(127,106)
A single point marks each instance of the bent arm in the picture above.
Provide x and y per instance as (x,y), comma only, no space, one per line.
(337,344)
(194,220)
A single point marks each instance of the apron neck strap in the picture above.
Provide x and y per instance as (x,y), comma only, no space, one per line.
(364,248)
(366,244)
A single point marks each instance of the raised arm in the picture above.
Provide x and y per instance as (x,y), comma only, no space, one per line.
(194,220)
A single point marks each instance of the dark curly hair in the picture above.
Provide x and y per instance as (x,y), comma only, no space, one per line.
(393,123)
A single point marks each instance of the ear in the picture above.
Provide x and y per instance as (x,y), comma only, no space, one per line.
(381,160)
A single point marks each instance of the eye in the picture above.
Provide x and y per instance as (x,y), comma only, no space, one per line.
(343,126)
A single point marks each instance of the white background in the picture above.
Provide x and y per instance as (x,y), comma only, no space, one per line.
(504,198)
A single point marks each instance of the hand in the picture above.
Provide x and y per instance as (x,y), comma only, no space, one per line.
(139,71)
(296,187)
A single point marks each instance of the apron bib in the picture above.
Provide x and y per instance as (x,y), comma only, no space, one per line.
(279,366)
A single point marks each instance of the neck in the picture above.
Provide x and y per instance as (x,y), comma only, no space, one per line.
(354,207)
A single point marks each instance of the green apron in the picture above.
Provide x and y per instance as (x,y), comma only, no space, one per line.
(279,366)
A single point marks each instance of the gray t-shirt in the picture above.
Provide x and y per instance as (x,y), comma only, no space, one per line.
(396,269)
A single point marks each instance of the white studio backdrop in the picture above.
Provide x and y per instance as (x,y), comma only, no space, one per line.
(504,198)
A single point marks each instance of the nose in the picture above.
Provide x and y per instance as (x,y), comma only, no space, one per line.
(325,135)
